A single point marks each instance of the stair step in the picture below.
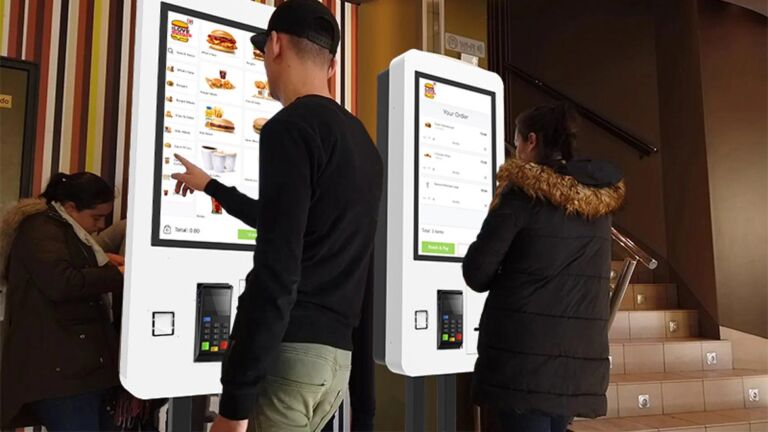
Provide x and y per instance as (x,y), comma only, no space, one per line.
(650,297)
(677,392)
(669,355)
(740,420)
(668,323)
(642,274)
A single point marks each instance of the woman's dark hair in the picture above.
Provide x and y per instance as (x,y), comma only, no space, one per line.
(553,129)
(84,189)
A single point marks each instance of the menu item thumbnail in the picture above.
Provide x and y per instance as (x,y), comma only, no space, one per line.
(218,161)
(220,124)
(180,31)
(221,40)
(258,55)
(219,84)
(258,124)
(262,89)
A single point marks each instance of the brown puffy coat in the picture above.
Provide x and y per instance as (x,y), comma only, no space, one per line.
(57,337)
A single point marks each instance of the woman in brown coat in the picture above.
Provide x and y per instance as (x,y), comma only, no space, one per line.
(59,355)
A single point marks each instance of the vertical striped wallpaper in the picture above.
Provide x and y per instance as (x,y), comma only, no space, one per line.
(85,50)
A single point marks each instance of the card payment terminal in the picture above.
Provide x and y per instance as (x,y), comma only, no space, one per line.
(214,310)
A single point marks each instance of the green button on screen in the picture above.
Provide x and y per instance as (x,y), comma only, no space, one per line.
(246,234)
(438,248)
(445,337)
(205,346)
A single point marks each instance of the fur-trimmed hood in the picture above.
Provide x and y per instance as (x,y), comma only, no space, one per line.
(590,189)
(9,225)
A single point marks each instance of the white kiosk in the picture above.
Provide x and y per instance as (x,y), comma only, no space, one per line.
(200,90)
(441,131)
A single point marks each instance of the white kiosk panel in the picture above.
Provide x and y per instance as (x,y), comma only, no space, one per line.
(441,131)
(200,90)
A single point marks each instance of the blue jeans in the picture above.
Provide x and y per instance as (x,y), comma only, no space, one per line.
(515,421)
(79,413)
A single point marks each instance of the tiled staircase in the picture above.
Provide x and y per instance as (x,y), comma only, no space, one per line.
(664,377)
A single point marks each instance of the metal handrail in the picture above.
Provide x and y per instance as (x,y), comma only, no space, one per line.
(638,144)
(634,250)
(630,263)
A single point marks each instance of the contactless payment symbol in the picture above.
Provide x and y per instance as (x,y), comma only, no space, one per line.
(429,90)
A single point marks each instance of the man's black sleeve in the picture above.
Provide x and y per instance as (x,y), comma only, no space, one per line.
(236,203)
(288,162)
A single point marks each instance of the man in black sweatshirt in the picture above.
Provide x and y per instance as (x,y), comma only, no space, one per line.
(319,191)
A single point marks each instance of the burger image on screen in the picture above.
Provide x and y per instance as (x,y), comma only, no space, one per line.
(258,124)
(220,124)
(222,41)
(258,55)
(180,31)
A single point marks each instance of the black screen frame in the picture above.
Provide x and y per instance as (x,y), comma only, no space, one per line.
(156,241)
(417,256)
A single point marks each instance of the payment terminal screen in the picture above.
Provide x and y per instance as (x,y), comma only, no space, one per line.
(455,165)
(213,100)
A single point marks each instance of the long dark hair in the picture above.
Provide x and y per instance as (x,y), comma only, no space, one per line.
(554,131)
(84,189)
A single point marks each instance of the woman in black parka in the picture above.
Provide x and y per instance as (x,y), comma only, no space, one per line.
(543,255)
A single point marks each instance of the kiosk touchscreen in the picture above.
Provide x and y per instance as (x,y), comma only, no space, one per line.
(441,134)
(200,91)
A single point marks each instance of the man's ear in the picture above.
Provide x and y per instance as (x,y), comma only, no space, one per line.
(275,44)
(332,68)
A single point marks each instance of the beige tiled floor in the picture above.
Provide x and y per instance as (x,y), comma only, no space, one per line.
(682,356)
(724,355)
(613,400)
(688,323)
(664,422)
(709,418)
(741,427)
(761,384)
(745,419)
(646,324)
(723,394)
(617,355)
(629,399)
(644,358)
(620,327)
(681,397)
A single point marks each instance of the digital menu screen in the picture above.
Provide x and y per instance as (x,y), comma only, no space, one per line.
(213,99)
(455,165)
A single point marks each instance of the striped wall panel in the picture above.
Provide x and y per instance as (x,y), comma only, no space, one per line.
(85,52)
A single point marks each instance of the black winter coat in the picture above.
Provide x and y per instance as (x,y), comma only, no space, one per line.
(543,254)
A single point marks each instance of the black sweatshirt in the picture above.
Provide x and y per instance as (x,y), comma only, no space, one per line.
(319,191)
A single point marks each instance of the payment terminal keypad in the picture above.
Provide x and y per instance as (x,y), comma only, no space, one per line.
(214,310)
(450,329)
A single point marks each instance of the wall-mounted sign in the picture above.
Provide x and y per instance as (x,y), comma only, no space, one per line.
(465,45)
(6,101)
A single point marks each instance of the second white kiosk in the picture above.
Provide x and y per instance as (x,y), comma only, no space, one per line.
(441,134)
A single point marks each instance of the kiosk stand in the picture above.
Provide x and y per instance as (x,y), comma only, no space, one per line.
(441,134)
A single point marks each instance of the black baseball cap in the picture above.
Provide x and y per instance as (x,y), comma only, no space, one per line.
(308,19)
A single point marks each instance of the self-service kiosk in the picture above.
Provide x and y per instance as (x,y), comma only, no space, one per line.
(200,90)
(441,133)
